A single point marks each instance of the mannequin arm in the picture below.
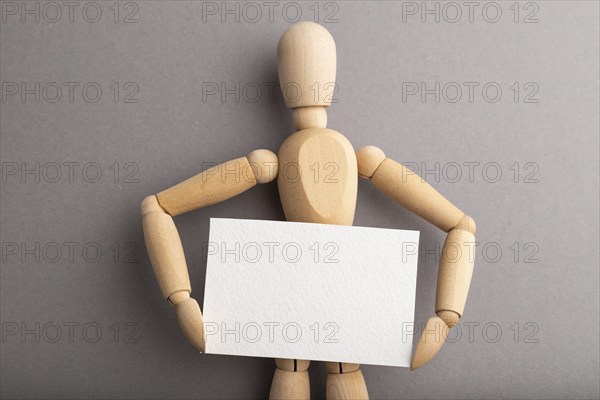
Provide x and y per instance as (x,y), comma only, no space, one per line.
(162,239)
(456,262)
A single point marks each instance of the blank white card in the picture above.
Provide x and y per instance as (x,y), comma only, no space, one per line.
(310,291)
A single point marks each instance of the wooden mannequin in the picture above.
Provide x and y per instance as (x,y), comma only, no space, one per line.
(307,66)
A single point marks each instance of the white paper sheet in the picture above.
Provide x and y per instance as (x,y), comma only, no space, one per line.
(310,291)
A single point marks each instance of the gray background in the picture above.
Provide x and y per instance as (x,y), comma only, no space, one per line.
(547,292)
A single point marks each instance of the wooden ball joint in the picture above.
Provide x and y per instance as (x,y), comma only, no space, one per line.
(306,56)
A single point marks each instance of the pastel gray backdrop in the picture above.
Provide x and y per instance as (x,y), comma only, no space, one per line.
(540,292)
